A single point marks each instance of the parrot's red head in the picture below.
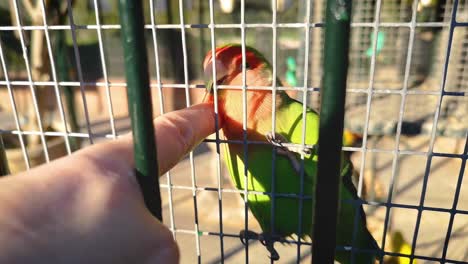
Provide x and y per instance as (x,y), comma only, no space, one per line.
(228,63)
(258,72)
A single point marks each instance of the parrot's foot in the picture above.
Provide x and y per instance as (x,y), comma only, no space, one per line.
(288,151)
(266,239)
(278,140)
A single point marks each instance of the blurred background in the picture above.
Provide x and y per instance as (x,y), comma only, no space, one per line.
(62,87)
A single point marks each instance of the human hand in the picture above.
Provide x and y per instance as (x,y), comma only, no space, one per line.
(87,207)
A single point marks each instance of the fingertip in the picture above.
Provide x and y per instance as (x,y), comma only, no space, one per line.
(209,111)
(180,131)
(207,116)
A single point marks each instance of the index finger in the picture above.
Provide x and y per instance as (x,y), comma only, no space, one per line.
(176,134)
(180,131)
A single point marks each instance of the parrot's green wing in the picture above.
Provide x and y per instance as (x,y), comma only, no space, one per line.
(292,201)
(287,181)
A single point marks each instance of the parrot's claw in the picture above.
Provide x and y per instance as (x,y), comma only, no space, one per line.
(273,253)
(267,240)
(245,235)
(278,140)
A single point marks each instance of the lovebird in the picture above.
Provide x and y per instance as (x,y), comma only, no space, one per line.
(288,169)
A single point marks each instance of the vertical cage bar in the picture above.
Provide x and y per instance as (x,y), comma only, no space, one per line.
(79,70)
(14,108)
(273,118)
(337,31)
(244,128)
(430,153)
(54,79)
(396,153)
(30,79)
(63,75)
(172,226)
(460,175)
(370,90)
(187,103)
(161,109)
(172,51)
(140,107)
(218,151)
(104,70)
(455,200)
(304,124)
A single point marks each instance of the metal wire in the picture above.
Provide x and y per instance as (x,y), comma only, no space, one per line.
(246,25)
(79,70)
(187,103)
(104,69)
(273,122)
(370,90)
(456,196)
(365,135)
(218,151)
(399,124)
(14,108)
(304,126)
(237,87)
(168,186)
(58,96)
(244,132)
(32,88)
(453,24)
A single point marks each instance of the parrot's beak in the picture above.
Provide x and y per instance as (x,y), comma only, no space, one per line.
(209,86)
(221,73)
(209,89)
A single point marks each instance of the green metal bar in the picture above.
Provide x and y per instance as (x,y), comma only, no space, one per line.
(4,169)
(139,103)
(337,31)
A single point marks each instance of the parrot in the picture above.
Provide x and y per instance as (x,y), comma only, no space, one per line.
(286,142)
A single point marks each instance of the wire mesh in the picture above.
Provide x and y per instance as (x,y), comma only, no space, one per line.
(406,97)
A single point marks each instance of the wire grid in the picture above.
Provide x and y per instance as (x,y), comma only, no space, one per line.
(376,72)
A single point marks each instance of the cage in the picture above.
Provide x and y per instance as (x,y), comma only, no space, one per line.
(62,88)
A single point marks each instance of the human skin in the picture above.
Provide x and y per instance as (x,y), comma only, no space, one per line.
(87,207)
